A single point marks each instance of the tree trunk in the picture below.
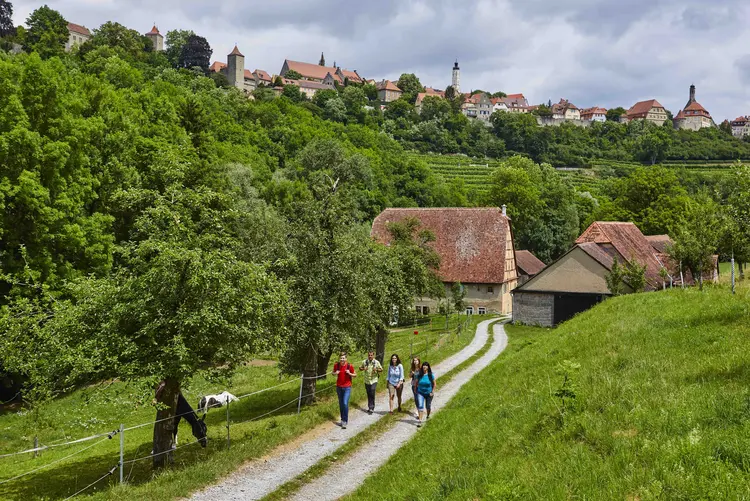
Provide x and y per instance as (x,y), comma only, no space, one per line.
(322,364)
(164,428)
(700,280)
(310,372)
(380,338)
(742,270)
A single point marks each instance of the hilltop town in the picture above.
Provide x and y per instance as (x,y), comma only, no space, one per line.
(313,77)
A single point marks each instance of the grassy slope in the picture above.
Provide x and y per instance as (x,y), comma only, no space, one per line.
(90,411)
(662,411)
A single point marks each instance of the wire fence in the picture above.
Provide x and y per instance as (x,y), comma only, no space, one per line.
(121,463)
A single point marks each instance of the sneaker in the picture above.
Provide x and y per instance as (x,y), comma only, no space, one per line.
(419,424)
(343,426)
(399,409)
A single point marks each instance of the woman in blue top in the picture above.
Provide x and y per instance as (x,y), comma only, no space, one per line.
(425,391)
(395,380)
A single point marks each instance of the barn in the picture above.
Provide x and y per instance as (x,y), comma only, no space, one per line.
(577,280)
(528,266)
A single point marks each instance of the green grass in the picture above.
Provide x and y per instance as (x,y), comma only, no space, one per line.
(103,408)
(662,410)
(367,436)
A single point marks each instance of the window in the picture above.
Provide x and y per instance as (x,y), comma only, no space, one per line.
(425,310)
(482,310)
(490,290)
(469,310)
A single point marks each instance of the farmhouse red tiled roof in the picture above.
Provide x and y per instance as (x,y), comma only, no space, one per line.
(528,262)
(641,108)
(387,85)
(680,115)
(594,111)
(739,120)
(262,75)
(470,242)
(626,242)
(351,75)
(515,96)
(236,52)
(309,70)
(597,253)
(249,75)
(659,242)
(77,28)
(217,66)
(154,31)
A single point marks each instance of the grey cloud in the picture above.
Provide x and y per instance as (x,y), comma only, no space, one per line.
(742,65)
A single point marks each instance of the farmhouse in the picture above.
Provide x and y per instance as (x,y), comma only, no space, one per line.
(650,110)
(577,280)
(475,248)
(387,91)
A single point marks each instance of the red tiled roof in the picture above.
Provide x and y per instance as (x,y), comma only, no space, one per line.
(641,108)
(262,75)
(626,242)
(659,242)
(528,262)
(680,115)
(236,52)
(470,242)
(351,75)
(307,84)
(154,31)
(77,28)
(387,85)
(597,253)
(217,66)
(309,70)
(515,96)
(249,75)
(740,120)
(594,111)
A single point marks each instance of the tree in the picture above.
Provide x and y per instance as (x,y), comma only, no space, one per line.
(410,86)
(321,97)
(175,41)
(726,127)
(221,80)
(543,111)
(400,108)
(371,91)
(278,81)
(458,293)
(294,93)
(47,33)
(635,276)
(434,107)
(6,19)
(450,92)
(614,114)
(293,75)
(653,144)
(696,237)
(615,277)
(335,110)
(355,99)
(196,53)
(128,44)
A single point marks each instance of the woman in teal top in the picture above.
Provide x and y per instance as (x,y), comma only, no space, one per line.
(425,391)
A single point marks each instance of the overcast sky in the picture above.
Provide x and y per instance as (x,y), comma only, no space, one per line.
(593,52)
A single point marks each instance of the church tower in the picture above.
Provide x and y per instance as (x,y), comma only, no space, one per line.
(322,60)
(456,81)
(236,68)
(156,38)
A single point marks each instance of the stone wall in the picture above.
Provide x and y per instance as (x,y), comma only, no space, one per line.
(556,122)
(534,308)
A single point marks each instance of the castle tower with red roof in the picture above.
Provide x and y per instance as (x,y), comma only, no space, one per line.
(693,116)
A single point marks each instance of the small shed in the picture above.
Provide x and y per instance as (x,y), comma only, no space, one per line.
(528,266)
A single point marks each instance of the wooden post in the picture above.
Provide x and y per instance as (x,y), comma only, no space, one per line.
(122,451)
(36,446)
(732,272)
(228,442)
(299,400)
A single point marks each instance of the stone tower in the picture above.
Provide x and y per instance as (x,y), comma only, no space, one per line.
(456,81)
(236,68)
(156,38)
(322,60)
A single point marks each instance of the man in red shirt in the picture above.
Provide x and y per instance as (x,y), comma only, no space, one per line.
(344,372)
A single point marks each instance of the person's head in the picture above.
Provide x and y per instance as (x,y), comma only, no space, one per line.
(370,355)
(416,364)
(342,357)
(395,360)
(426,369)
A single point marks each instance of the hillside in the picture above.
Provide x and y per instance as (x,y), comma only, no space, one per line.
(657,408)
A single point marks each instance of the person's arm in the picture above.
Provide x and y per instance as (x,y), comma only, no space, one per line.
(362,367)
(378,367)
(402,373)
(434,386)
(351,372)
(335,372)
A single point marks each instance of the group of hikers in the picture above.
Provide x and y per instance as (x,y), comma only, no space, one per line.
(421,377)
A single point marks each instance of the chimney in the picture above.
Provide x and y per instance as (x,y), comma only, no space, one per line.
(504,210)
(692,93)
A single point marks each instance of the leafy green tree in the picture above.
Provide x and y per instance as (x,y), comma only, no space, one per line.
(543,111)
(370,91)
(294,93)
(615,278)
(221,81)
(128,44)
(635,276)
(293,75)
(400,108)
(355,99)
(322,96)
(450,93)
(458,293)
(434,107)
(614,114)
(6,19)
(652,146)
(696,237)
(47,33)
(335,109)
(410,86)
(726,127)
(175,41)
(196,53)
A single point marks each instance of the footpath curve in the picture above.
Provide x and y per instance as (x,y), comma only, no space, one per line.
(368,459)
(261,477)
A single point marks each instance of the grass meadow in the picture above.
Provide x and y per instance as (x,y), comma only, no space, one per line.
(103,407)
(644,397)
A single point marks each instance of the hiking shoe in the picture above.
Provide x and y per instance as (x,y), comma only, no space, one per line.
(343,425)
(369,411)
(419,424)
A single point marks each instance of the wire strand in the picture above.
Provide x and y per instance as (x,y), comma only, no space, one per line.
(53,462)
(51,446)
(109,473)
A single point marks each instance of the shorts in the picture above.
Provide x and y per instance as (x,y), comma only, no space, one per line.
(392,390)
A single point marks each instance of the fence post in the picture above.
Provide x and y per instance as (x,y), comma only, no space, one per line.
(228,442)
(301,385)
(36,446)
(122,451)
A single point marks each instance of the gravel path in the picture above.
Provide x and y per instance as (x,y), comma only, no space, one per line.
(261,477)
(367,460)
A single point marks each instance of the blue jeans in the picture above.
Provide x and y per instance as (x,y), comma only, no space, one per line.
(344,393)
(424,401)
